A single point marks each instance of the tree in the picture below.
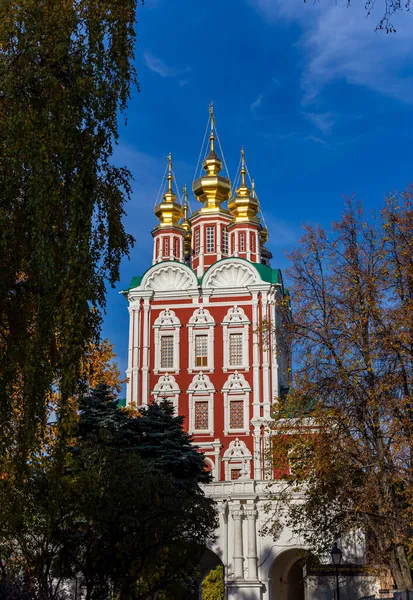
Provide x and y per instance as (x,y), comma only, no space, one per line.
(213,586)
(126,514)
(65,71)
(390,7)
(346,427)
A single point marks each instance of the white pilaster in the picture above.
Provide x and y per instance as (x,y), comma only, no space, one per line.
(274,357)
(257,449)
(238,558)
(201,250)
(265,359)
(252,557)
(129,369)
(171,247)
(219,241)
(145,351)
(136,354)
(255,356)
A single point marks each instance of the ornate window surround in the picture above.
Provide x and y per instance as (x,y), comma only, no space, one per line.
(201,322)
(166,387)
(236,321)
(236,388)
(166,324)
(237,456)
(201,388)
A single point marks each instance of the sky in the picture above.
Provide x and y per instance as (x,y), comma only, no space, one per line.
(321,102)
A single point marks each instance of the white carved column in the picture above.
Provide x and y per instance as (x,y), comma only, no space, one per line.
(237,515)
(274,356)
(258,247)
(219,241)
(257,450)
(145,351)
(265,359)
(252,557)
(255,355)
(248,243)
(129,369)
(181,245)
(223,509)
(217,470)
(171,247)
(136,354)
(201,250)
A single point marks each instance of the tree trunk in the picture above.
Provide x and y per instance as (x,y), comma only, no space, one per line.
(400,568)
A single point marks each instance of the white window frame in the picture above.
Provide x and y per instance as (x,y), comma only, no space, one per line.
(165,325)
(210,239)
(201,323)
(202,389)
(236,388)
(237,456)
(166,387)
(236,321)
(197,241)
(225,242)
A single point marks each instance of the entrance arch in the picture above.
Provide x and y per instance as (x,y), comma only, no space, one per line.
(287,575)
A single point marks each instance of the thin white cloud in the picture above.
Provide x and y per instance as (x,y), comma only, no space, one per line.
(157,65)
(257,103)
(339,44)
(322,121)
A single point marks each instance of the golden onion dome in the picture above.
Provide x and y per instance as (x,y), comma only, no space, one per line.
(169,211)
(244,205)
(212,189)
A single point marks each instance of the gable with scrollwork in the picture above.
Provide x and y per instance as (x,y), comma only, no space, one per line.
(230,275)
(169,277)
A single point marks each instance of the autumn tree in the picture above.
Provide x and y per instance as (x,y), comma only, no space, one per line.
(346,428)
(66,70)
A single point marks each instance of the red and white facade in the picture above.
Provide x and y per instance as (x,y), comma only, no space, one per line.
(195,338)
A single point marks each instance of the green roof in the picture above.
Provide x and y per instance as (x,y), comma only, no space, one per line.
(135,281)
(266,273)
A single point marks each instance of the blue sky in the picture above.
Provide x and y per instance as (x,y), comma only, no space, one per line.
(322,104)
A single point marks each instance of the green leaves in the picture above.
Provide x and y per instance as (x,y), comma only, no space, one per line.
(65,69)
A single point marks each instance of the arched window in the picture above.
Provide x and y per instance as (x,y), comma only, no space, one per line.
(236,340)
(166,342)
(237,459)
(167,388)
(201,341)
(201,405)
(236,393)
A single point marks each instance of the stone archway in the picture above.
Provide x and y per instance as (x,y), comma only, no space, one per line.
(287,575)
(209,561)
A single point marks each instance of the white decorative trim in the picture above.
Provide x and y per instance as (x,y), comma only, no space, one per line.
(166,276)
(201,322)
(237,456)
(166,324)
(230,274)
(201,389)
(166,387)
(236,321)
(236,388)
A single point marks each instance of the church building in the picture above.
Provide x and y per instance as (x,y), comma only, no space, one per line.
(203,333)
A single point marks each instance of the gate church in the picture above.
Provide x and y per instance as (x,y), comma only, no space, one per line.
(195,318)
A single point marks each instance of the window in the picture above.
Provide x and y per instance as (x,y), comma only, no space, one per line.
(252,241)
(235,349)
(176,247)
(225,241)
(197,242)
(236,414)
(242,242)
(167,352)
(201,350)
(235,474)
(210,239)
(201,415)
(166,247)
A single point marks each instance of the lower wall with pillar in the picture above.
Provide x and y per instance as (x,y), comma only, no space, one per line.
(256,566)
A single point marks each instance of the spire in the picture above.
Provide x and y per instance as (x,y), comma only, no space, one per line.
(186,225)
(244,206)
(212,189)
(169,212)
